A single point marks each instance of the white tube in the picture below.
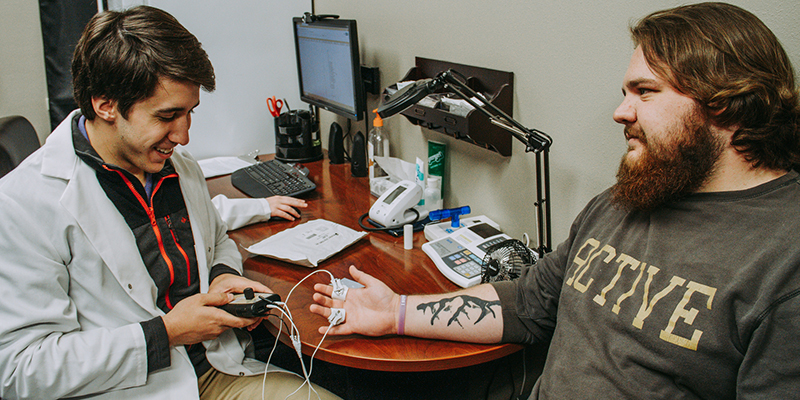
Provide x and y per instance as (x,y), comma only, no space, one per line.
(408,236)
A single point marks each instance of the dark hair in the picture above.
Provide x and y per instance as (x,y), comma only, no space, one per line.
(736,69)
(122,55)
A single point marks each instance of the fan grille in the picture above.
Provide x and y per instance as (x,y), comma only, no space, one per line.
(505,260)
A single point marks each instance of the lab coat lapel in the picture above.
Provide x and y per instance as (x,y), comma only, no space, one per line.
(192,190)
(99,219)
(110,235)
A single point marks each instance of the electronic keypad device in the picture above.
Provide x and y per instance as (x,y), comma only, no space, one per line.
(459,255)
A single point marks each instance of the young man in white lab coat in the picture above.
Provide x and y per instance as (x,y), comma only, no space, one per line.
(114,258)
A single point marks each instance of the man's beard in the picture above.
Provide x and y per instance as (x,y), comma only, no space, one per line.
(665,172)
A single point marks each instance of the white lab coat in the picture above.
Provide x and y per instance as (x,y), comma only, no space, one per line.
(241,212)
(73,287)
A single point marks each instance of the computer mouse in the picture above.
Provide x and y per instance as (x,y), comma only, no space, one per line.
(277,218)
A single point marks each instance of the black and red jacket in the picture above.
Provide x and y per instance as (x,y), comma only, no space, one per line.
(161,227)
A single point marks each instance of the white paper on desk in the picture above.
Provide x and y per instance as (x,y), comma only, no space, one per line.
(222,165)
(307,244)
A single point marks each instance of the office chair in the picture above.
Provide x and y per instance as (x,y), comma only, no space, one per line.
(18,140)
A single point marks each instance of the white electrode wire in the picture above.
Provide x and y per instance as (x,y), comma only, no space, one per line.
(311,366)
(301,281)
(311,362)
(294,332)
(294,328)
(266,368)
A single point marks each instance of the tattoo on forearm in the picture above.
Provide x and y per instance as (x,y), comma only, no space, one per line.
(450,305)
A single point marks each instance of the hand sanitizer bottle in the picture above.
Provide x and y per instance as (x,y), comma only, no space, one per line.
(377,145)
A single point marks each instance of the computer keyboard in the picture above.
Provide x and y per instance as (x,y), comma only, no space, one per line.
(271,178)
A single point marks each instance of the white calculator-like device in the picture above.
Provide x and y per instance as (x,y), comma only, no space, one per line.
(459,255)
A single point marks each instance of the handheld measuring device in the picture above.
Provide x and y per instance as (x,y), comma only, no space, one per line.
(250,304)
(459,255)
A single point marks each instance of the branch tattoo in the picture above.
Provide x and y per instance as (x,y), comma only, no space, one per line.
(449,305)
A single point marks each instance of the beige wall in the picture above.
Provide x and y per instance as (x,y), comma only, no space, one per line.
(568,59)
(23,87)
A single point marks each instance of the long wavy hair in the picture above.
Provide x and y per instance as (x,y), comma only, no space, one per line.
(736,69)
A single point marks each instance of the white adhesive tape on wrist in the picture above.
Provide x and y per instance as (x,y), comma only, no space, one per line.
(339,290)
(337,316)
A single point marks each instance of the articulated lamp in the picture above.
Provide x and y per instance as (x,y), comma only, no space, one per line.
(535,141)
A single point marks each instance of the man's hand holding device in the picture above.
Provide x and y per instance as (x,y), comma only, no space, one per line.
(250,304)
(198,318)
(235,284)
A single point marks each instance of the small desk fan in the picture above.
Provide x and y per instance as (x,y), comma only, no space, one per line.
(505,261)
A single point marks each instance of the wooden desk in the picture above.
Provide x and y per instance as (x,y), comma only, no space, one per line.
(342,198)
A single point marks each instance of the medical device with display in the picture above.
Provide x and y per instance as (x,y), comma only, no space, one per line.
(459,255)
(394,207)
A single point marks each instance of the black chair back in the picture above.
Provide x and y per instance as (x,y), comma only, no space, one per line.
(18,140)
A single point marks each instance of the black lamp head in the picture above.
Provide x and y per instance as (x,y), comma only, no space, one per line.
(408,96)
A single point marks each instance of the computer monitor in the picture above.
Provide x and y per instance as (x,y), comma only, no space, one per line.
(328,66)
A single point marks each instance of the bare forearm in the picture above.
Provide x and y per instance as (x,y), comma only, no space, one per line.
(470,315)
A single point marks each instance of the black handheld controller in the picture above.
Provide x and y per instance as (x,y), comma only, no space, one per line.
(250,304)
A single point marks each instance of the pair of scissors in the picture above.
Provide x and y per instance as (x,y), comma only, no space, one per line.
(274,106)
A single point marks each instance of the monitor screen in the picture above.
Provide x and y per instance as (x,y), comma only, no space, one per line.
(328,66)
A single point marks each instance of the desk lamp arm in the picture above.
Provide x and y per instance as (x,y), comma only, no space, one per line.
(534,140)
